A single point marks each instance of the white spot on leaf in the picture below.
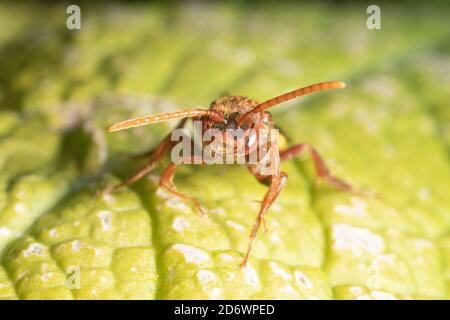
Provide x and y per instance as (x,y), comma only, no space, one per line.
(216,292)
(421,244)
(357,208)
(302,280)
(191,254)
(205,277)
(98,252)
(105,219)
(236,226)
(33,249)
(76,245)
(280,271)
(356,291)
(52,233)
(46,276)
(219,211)
(424,194)
(250,276)
(275,237)
(108,198)
(380,295)
(20,208)
(357,240)
(179,224)
(178,204)
(5,232)
(289,289)
(226,257)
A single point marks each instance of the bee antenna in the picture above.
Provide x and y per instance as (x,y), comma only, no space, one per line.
(131,123)
(291,95)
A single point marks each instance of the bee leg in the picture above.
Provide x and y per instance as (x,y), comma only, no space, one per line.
(321,169)
(263,179)
(276,184)
(156,155)
(137,156)
(166,182)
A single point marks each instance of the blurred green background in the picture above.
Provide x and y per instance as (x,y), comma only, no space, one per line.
(388,131)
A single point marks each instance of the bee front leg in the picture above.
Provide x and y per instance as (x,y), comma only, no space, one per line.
(166,182)
(156,155)
(276,184)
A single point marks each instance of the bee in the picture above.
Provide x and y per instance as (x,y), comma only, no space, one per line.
(234,112)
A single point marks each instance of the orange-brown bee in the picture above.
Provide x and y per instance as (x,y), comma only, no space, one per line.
(234,112)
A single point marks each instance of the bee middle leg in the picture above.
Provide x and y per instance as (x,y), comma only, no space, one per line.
(320,167)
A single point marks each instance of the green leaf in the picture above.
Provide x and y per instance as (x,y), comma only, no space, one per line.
(388,132)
